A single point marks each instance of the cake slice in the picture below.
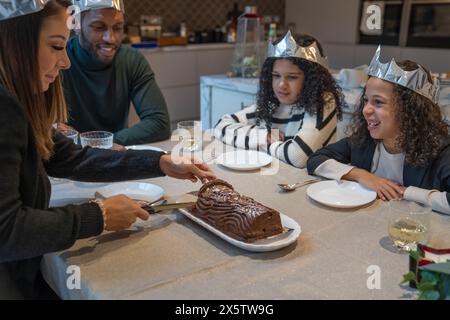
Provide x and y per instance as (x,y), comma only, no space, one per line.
(238,216)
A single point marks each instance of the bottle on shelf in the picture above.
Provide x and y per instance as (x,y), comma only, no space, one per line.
(272,32)
(231,24)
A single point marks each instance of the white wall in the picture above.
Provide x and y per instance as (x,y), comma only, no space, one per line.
(178,72)
(335,24)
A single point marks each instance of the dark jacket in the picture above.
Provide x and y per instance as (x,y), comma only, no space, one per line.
(436,175)
(28,227)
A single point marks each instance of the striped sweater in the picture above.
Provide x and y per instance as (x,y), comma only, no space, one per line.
(304,133)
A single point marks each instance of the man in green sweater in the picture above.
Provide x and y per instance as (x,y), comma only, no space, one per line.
(106,76)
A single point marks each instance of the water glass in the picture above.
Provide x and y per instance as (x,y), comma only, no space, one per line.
(97,139)
(408,224)
(71,134)
(189,135)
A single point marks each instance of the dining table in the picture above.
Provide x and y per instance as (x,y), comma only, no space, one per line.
(339,254)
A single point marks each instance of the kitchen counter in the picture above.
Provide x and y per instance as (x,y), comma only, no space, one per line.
(190,47)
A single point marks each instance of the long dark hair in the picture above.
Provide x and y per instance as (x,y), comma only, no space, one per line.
(422,130)
(318,81)
(19,73)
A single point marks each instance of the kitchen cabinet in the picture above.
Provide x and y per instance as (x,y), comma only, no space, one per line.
(220,95)
(338,29)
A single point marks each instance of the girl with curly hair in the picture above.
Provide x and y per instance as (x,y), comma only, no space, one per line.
(298,98)
(399,145)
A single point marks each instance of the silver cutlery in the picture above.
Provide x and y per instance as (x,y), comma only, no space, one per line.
(293,186)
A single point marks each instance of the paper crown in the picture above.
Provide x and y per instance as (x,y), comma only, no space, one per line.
(15,8)
(99,4)
(416,80)
(288,47)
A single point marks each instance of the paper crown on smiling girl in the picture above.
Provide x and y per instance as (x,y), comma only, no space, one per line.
(415,80)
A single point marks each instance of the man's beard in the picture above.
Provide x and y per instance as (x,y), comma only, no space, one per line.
(91,48)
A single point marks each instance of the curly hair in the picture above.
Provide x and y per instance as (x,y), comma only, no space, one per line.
(422,129)
(318,81)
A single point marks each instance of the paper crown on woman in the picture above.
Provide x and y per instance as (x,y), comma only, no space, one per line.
(415,80)
(15,8)
(288,47)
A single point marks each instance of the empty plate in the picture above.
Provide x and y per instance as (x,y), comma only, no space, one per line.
(244,160)
(133,190)
(340,194)
(144,147)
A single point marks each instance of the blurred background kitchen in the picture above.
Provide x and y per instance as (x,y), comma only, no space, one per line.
(190,45)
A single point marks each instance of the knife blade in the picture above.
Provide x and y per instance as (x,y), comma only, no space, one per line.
(156,208)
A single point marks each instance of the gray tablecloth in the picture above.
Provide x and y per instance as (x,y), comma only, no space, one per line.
(171,257)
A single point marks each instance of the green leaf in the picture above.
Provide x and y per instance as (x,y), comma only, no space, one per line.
(429,295)
(429,277)
(426,286)
(415,255)
(410,276)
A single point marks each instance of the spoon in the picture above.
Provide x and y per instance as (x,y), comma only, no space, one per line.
(293,186)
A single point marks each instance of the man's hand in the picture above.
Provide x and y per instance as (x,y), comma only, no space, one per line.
(186,168)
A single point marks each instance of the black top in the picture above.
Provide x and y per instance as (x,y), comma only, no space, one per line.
(28,227)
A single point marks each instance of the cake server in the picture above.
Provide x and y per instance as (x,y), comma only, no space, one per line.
(156,208)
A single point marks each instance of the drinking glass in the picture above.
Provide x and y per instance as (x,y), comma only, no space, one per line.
(189,135)
(408,224)
(97,139)
(71,134)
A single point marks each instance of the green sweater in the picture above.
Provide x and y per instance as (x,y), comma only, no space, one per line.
(98,95)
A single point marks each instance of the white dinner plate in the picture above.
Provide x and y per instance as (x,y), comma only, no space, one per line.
(243,160)
(73,192)
(133,190)
(263,245)
(340,194)
(144,147)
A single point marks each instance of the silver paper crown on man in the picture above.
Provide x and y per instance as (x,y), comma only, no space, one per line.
(15,8)
(416,80)
(288,47)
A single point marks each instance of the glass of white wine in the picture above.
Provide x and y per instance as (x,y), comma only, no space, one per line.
(189,135)
(409,224)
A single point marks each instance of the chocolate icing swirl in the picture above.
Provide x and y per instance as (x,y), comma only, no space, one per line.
(238,216)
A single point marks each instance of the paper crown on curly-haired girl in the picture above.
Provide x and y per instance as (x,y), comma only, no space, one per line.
(415,80)
(288,47)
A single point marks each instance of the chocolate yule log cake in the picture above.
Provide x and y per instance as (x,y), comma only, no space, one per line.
(238,216)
